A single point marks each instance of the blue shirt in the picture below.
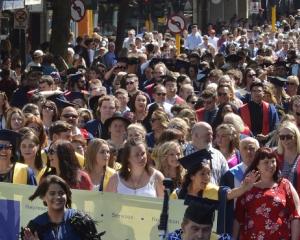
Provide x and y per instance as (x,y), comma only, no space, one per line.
(177,235)
(49,231)
(193,41)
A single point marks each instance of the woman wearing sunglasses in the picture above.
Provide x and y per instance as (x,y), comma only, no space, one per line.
(289,153)
(49,113)
(10,170)
(63,162)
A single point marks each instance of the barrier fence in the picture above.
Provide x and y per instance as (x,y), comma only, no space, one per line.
(122,217)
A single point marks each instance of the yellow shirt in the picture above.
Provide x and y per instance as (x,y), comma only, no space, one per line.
(79,157)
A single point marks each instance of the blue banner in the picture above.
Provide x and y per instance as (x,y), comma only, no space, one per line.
(9,219)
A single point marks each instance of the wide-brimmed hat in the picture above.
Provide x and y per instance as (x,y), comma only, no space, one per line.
(116,116)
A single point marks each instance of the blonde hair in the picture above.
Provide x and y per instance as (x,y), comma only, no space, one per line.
(161,160)
(139,128)
(162,116)
(91,153)
(294,129)
(233,135)
(235,120)
(180,125)
(294,79)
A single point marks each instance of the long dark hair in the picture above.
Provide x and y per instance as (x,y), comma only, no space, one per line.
(38,162)
(263,153)
(44,185)
(187,180)
(125,169)
(68,162)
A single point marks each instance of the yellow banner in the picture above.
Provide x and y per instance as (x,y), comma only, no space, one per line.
(121,216)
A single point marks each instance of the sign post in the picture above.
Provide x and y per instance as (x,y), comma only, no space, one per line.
(20,19)
(77,10)
(176,25)
(273,18)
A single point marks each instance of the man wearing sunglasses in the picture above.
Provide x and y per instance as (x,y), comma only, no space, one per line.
(209,110)
(159,95)
(10,170)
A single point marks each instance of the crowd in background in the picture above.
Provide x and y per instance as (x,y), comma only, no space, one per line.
(221,119)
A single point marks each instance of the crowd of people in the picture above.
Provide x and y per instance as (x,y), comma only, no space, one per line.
(221,119)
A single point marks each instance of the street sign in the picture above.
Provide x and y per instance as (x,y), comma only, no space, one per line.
(215,1)
(20,19)
(254,7)
(176,24)
(77,10)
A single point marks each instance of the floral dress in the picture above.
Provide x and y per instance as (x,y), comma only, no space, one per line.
(266,213)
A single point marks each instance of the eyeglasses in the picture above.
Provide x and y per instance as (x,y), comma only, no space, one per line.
(207,102)
(161,94)
(154,119)
(70,116)
(48,108)
(130,83)
(193,102)
(5,147)
(121,67)
(251,75)
(222,94)
(290,83)
(51,151)
(286,137)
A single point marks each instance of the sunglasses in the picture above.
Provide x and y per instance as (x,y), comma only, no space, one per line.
(286,137)
(130,83)
(51,151)
(121,67)
(49,108)
(207,102)
(251,75)
(193,102)
(222,94)
(154,119)
(5,147)
(70,116)
(161,94)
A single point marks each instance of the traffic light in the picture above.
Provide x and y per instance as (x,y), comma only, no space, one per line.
(273,3)
(158,8)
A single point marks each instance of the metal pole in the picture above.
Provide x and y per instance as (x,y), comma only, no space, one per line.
(273,18)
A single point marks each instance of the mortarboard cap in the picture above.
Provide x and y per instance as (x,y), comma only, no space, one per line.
(181,64)
(193,160)
(200,213)
(70,96)
(280,64)
(71,71)
(60,101)
(36,69)
(194,55)
(278,81)
(233,58)
(154,61)
(10,136)
(93,102)
(75,76)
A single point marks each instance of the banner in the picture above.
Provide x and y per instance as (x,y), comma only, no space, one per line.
(33,2)
(122,217)
(11,4)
